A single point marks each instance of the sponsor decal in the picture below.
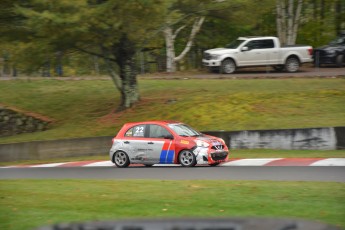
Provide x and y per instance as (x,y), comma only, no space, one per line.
(184,142)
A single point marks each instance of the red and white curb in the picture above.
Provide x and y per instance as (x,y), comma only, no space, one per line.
(231,162)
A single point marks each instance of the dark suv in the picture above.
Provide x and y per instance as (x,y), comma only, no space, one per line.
(333,53)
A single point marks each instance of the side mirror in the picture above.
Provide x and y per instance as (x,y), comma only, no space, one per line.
(245,48)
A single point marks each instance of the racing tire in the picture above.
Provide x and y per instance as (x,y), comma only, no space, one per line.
(187,158)
(214,164)
(121,159)
(339,61)
(292,64)
(228,66)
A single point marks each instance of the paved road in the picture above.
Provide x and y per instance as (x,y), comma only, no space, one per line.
(287,173)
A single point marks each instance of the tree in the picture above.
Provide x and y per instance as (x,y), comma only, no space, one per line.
(182,15)
(113,30)
(288,19)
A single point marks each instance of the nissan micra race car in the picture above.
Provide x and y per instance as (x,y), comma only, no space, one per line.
(165,142)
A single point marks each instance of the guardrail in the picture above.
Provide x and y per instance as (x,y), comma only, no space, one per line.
(311,138)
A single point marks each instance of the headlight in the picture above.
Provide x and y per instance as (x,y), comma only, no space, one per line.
(203,144)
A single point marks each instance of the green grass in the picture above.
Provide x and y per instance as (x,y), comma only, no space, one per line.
(25,204)
(85,108)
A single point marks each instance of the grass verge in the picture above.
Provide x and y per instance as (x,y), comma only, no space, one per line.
(25,204)
(85,108)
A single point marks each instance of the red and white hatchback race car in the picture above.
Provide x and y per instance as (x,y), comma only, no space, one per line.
(165,142)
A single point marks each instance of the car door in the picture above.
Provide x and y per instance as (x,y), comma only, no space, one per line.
(162,146)
(135,143)
(252,56)
(269,53)
(260,52)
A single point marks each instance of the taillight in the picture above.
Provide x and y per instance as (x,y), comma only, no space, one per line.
(310,51)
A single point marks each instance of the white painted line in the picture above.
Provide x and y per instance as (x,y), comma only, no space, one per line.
(100,164)
(8,167)
(330,162)
(47,165)
(250,162)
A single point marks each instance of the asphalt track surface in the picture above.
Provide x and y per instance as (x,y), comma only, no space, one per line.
(272,173)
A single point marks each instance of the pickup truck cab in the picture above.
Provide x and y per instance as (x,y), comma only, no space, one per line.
(257,51)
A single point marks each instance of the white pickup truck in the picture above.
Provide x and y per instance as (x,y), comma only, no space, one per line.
(257,51)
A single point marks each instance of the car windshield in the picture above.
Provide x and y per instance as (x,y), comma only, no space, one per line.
(184,130)
(234,44)
(338,41)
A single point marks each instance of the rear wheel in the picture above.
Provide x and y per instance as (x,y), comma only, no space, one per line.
(292,64)
(228,66)
(187,158)
(121,159)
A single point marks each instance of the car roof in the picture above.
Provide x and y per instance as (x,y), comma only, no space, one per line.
(162,122)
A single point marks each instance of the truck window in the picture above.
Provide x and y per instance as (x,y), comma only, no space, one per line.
(234,44)
(260,44)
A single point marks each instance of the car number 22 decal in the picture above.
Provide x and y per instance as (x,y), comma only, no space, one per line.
(139,131)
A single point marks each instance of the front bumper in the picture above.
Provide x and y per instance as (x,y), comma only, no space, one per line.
(211,63)
(219,156)
(209,156)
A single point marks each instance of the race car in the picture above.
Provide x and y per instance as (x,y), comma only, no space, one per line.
(165,142)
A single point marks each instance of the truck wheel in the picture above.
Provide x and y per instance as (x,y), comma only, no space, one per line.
(292,64)
(340,60)
(228,66)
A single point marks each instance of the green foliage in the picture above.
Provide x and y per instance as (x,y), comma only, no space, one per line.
(32,32)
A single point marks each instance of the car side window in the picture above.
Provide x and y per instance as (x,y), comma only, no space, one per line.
(157,131)
(136,131)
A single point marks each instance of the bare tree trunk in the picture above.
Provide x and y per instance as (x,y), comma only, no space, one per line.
(196,28)
(126,81)
(170,37)
(170,49)
(296,21)
(288,17)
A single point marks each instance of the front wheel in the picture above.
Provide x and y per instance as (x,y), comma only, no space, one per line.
(228,66)
(340,60)
(121,159)
(187,158)
(292,64)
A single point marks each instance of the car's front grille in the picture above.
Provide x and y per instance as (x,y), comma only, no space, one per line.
(219,156)
(217,147)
